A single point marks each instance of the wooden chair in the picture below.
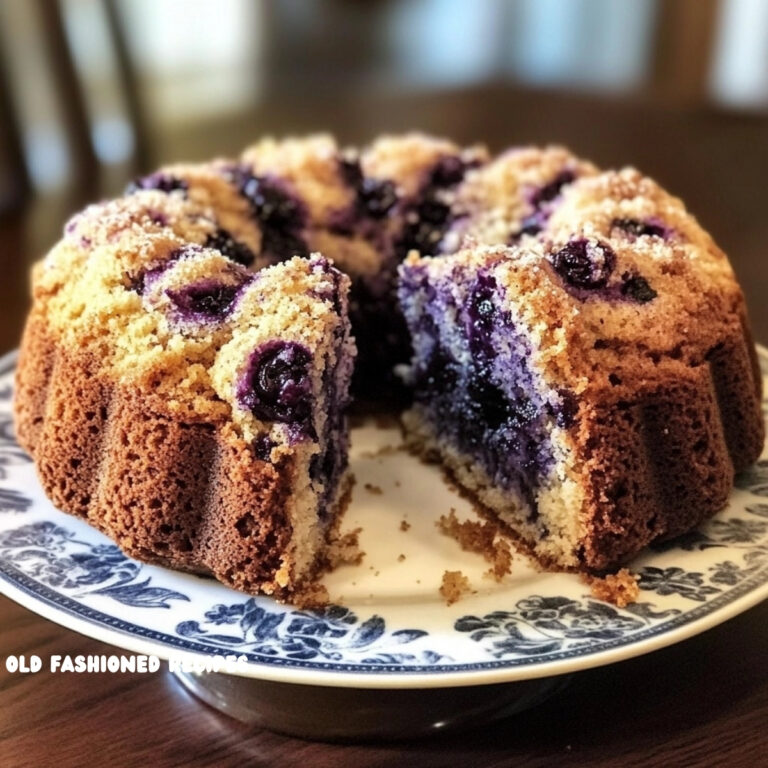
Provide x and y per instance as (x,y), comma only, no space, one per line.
(69,90)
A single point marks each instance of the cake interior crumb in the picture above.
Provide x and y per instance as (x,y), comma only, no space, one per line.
(343,549)
(454,585)
(618,588)
(482,538)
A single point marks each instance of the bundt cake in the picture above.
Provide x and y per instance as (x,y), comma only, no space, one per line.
(583,367)
(581,358)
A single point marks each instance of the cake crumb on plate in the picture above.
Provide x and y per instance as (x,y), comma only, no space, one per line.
(343,549)
(619,588)
(454,585)
(405,525)
(482,538)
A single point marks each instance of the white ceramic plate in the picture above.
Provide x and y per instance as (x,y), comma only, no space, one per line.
(394,630)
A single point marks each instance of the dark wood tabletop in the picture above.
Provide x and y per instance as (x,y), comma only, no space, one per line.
(703,702)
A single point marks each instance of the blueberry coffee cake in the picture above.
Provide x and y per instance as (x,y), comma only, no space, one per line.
(582,364)
(581,356)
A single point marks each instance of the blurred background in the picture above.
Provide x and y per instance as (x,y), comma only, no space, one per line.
(93,92)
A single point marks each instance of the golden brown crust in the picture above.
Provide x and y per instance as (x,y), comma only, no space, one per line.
(192,496)
(37,356)
(659,456)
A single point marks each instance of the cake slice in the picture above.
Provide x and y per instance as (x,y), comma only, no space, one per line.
(593,387)
(190,408)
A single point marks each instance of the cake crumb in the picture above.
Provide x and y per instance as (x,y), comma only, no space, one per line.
(405,525)
(502,561)
(397,483)
(400,558)
(481,538)
(454,585)
(374,489)
(343,549)
(619,588)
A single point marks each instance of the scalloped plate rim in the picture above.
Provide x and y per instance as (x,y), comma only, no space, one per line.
(750,592)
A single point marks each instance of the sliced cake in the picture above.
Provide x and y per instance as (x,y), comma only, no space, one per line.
(592,385)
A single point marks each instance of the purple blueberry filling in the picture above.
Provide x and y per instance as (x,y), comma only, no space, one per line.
(530,225)
(206,300)
(280,214)
(637,288)
(428,217)
(638,228)
(584,264)
(481,316)
(276,385)
(144,279)
(329,464)
(490,408)
(449,171)
(223,242)
(163,182)
(375,198)
(262,447)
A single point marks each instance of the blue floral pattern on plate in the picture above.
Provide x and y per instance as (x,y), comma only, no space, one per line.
(50,559)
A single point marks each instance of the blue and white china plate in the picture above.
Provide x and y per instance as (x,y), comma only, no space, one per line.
(388,627)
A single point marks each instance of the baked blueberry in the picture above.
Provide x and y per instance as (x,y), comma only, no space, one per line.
(233,249)
(279,213)
(530,225)
(428,216)
(206,300)
(481,314)
(276,385)
(550,191)
(584,264)
(638,289)
(639,228)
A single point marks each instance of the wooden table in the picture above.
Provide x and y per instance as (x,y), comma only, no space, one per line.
(701,703)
